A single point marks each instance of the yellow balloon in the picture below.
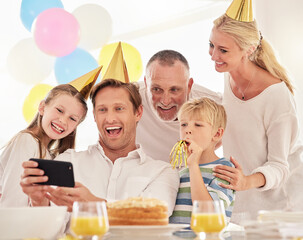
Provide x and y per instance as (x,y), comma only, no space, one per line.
(31,102)
(132,59)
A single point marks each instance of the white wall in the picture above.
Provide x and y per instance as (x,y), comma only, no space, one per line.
(281,22)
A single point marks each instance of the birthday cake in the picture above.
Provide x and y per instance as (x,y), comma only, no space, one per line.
(137,211)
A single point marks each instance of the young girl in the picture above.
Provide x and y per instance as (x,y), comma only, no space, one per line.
(52,131)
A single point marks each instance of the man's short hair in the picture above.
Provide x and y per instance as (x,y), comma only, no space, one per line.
(131,88)
(168,57)
(204,109)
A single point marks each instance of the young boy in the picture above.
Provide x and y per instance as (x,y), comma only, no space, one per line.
(202,123)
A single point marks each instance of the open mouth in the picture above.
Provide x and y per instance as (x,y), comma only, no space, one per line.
(113,131)
(166,109)
(57,128)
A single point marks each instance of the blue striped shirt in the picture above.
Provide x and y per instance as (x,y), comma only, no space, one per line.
(183,207)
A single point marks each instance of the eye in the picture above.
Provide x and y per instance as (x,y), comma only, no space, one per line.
(183,124)
(211,45)
(101,109)
(73,119)
(156,90)
(198,125)
(223,51)
(59,110)
(174,90)
(119,108)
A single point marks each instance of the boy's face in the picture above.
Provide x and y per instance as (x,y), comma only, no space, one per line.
(199,131)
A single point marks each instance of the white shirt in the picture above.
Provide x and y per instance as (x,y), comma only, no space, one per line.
(262,134)
(21,149)
(156,136)
(134,175)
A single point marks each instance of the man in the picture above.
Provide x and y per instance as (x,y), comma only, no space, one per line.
(114,168)
(167,85)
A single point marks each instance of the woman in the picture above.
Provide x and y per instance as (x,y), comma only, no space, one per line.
(262,130)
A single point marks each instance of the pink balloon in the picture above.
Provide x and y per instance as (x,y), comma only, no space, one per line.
(56,32)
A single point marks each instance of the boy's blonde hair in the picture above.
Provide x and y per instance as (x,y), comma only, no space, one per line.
(204,109)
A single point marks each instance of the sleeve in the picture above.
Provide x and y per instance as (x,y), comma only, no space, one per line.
(282,135)
(21,149)
(164,186)
(219,193)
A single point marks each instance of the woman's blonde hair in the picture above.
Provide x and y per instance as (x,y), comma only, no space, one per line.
(246,34)
(55,147)
(204,109)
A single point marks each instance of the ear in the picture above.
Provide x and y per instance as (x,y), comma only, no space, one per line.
(41,107)
(139,113)
(251,50)
(145,82)
(218,135)
(190,84)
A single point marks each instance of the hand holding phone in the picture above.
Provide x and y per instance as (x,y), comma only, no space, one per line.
(59,173)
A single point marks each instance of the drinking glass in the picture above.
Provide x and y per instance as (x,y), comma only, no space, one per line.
(208,219)
(89,220)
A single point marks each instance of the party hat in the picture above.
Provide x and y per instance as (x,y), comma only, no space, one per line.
(241,10)
(85,83)
(117,68)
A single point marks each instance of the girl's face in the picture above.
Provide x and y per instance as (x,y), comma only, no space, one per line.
(224,51)
(61,116)
(196,130)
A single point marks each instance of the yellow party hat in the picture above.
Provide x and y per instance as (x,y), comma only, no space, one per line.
(117,67)
(85,83)
(241,10)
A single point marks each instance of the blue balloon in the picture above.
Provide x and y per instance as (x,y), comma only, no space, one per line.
(74,65)
(30,9)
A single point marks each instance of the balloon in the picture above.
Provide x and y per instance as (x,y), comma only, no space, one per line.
(31,102)
(95,24)
(27,64)
(56,32)
(131,56)
(30,9)
(74,65)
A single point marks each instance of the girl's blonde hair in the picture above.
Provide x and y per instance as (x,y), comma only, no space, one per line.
(55,147)
(204,109)
(246,34)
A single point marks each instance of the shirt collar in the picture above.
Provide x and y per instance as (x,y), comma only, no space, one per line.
(137,153)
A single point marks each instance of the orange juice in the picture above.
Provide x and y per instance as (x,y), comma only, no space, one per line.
(89,226)
(207,222)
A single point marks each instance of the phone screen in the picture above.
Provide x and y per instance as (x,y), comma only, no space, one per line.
(59,173)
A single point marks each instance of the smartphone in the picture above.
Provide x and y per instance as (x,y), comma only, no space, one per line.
(59,173)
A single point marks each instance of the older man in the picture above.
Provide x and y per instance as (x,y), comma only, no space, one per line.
(115,167)
(167,85)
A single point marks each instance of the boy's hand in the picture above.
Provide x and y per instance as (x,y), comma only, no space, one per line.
(30,176)
(194,152)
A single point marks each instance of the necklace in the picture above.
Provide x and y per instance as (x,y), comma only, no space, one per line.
(243,93)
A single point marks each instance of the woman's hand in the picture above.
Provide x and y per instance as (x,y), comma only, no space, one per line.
(30,177)
(235,176)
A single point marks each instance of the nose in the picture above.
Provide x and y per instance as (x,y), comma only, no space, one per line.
(110,117)
(213,54)
(63,119)
(188,132)
(166,99)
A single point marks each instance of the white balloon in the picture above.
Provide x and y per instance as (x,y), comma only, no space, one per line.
(95,26)
(27,64)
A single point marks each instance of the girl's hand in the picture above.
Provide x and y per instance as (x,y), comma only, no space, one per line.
(194,152)
(30,176)
(238,181)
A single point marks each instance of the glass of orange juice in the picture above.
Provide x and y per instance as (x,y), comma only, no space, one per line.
(89,220)
(208,219)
